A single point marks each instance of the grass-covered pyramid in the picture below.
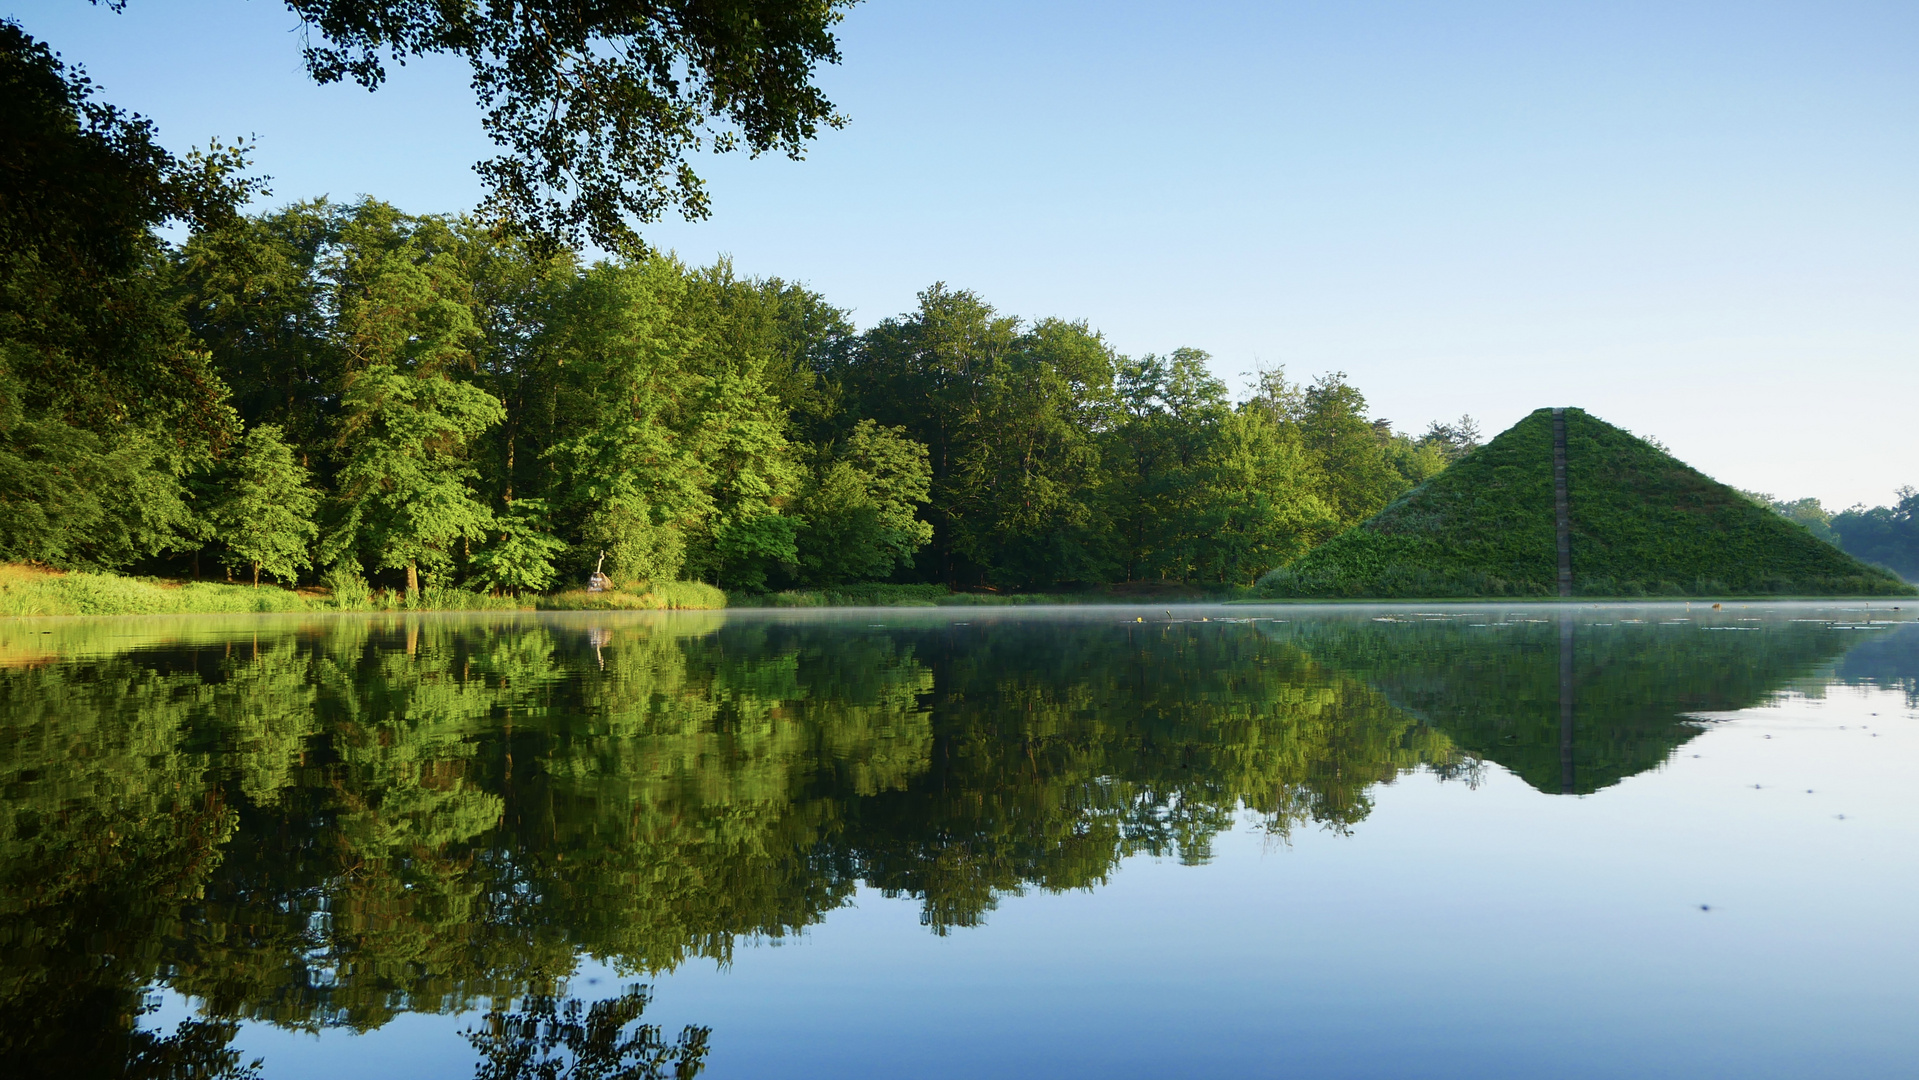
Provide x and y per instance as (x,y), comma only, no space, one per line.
(1641,523)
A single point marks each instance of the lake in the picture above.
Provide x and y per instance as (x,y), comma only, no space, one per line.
(1381,841)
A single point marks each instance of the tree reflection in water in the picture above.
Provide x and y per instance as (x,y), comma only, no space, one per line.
(323,824)
(550,1039)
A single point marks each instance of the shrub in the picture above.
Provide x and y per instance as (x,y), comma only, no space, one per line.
(349,590)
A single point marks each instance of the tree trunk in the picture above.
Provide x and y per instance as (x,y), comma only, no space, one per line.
(412,582)
(256,575)
(511,431)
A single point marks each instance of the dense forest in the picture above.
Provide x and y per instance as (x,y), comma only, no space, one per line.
(342,392)
(347,389)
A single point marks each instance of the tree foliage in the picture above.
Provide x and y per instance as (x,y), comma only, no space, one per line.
(859,513)
(427,374)
(1885,535)
(106,400)
(597,106)
(403,498)
(265,519)
(520,557)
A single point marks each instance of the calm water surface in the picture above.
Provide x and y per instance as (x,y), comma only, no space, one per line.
(1358,842)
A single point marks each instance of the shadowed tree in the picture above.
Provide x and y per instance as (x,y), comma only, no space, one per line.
(105,400)
(860,512)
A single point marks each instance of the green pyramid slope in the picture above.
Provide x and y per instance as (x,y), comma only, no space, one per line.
(1642,523)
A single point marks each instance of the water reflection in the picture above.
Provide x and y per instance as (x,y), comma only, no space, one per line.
(1576,705)
(325,823)
(549,1038)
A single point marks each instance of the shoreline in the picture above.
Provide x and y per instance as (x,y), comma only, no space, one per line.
(27,592)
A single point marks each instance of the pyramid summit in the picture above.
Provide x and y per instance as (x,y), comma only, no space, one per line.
(1563,503)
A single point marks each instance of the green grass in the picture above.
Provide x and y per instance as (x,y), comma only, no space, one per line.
(873,594)
(1025,599)
(28,591)
(650,596)
(1643,524)
(25,591)
(864,594)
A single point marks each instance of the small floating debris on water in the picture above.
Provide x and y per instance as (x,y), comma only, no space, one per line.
(1705,907)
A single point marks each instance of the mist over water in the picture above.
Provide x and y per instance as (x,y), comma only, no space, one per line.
(1358,841)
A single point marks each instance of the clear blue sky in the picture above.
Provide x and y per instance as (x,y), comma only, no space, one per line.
(1697,220)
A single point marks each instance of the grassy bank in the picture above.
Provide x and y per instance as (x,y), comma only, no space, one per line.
(29,591)
(654,596)
(861,595)
(873,594)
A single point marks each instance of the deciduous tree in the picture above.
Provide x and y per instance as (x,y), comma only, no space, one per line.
(405,495)
(860,511)
(266,516)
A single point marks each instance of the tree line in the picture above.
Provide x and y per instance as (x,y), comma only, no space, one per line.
(1884,535)
(346,389)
